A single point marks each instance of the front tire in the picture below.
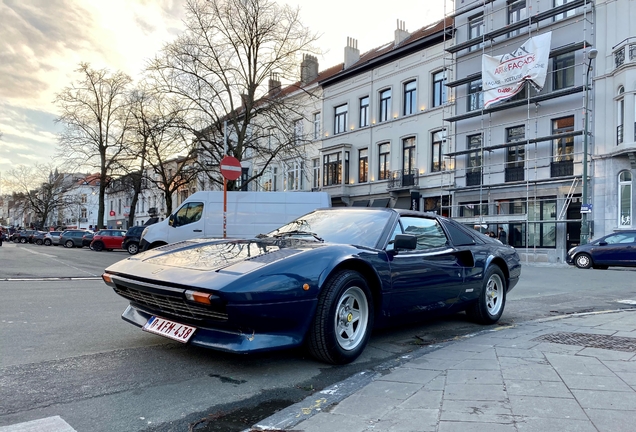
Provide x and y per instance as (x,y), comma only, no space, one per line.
(23,240)
(492,299)
(38,242)
(69,244)
(343,321)
(47,242)
(98,246)
(583,261)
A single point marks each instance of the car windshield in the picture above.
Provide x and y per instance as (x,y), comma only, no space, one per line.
(359,227)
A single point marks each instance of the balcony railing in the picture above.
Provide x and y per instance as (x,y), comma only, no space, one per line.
(619,134)
(473,178)
(403,179)
(562,168)
(514,174)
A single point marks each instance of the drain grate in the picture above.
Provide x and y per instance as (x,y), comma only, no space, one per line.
(587,340)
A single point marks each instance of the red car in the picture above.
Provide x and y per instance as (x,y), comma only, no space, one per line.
(108,239)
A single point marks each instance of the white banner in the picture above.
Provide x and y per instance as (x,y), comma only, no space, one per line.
(504,76)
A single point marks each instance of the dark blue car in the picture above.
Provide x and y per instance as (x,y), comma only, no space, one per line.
(323,281)
(617,249)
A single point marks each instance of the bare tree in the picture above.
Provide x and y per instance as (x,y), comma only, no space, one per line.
(41,189)
(95,114)
(159,144)
(226,69)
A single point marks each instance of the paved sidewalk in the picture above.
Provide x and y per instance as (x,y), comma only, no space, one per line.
(575,373)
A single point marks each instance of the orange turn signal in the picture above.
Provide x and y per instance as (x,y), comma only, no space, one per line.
(199,297)
(306,287)
(107,278)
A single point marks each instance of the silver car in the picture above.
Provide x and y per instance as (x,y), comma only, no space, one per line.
(52,238)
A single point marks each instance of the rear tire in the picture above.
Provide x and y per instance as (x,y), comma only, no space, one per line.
(23,240)
(68,244)
(38,242)
(47,242)
(133,248)
(343,321)
(492,298)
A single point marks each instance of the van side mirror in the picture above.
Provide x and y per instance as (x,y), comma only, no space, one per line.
(171,221)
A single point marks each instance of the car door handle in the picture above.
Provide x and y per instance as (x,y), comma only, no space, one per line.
(197,230)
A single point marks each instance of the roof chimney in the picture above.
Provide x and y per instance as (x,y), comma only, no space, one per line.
(274,84)
(401,33)
(351,52)
(308,69)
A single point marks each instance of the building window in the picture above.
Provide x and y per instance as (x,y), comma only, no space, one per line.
(563,15)
(563,71)
(475,95)
(119,206)
(340,120)
(625,198)
(471,209)
(542,233)
(516,154)
(384,152)
(410,97)
(516,12)
(363,166)
(522,94)
(293,176)
(316,172)
(563,148)
(438,139)
(83,213)
(364,111)
(620,117)
(439,88)
(332,169)
(474,158)
(298,131)
(83,199)
(317,121)
(385,105)
(269,179)
(475,30)
(473,171)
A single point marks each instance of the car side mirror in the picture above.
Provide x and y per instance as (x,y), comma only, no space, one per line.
(603,243)
(404,241)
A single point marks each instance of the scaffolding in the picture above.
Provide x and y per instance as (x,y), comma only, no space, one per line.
(539,184)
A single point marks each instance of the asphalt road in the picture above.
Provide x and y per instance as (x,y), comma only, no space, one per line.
(64,350)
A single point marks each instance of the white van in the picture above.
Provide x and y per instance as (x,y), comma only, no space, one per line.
(248,214)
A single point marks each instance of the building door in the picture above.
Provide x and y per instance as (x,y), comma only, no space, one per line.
(573,236)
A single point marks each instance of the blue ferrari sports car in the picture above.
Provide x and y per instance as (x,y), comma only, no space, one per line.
(324,280)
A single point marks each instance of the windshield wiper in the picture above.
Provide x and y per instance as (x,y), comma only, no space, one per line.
(298,232)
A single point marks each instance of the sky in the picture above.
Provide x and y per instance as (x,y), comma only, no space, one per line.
(42,43)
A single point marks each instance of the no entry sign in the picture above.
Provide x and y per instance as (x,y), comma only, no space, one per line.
(230,167)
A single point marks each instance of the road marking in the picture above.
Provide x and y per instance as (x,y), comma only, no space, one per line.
(40,253)
(629,302)
(44,279)
(49,424)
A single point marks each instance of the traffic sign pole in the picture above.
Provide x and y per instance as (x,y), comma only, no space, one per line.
(231,170)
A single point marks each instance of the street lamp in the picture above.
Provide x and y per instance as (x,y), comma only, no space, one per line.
(585,225)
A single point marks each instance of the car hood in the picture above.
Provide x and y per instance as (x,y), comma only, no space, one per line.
(237,256)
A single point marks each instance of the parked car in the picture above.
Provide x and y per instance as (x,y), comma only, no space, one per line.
(38,237)
(23,236)
(323,280)
(52,238)
(132,238)
(108,239)
(87,239)
(72,238)
(617,249)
